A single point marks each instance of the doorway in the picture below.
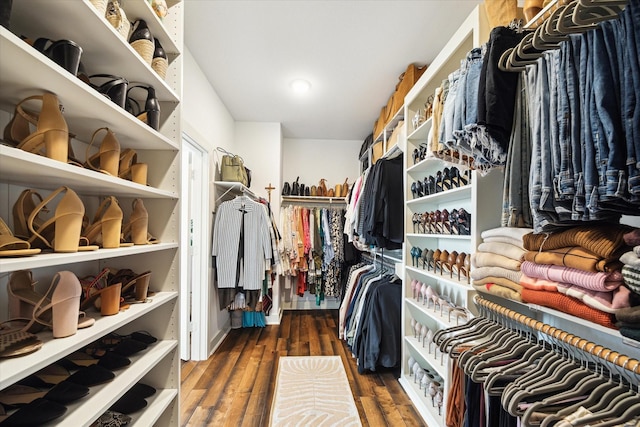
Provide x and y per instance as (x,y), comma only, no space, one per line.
(194,243)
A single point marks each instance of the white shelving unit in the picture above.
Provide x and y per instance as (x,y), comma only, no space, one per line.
(25,72)
(481,198)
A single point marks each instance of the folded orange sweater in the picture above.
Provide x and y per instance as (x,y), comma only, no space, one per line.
(568,305)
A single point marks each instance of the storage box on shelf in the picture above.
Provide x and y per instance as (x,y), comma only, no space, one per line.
(479,196)
(31,73)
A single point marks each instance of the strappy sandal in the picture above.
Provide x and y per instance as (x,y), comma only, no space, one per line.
(94,287)
(22,208)
(130,169)
(136,230)
(62,232)
(141,283)
(14,343)
(108,155)
(114,88)
(150,115)
(51,137)
(12,246)
(65,53)
(107,225)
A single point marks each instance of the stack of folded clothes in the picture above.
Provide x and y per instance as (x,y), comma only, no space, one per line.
(629,318)
(577,271)
(496,264)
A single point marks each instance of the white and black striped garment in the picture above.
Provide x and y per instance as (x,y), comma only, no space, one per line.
(226,241)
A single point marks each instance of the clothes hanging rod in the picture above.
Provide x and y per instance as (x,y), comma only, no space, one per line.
(582,344)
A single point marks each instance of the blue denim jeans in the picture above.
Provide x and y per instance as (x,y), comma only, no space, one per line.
(467,106)
(448,111)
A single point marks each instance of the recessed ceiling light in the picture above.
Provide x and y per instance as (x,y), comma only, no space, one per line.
(300,86)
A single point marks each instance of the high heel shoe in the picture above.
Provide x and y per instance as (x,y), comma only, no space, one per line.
(159,63)
(438,182)
(108,154)
(51,135)
(58,308)
(22,208)
(446,179)
(106,227)
(460,263)
(444,258)
(11,246)
(151,113)
(451,262)
(61,232)
(136,229)
(139,283)
(65,53)
(141,40)
(114,88)
(436,259)
(130,169)
(454,173)
(94,287)
(464,222)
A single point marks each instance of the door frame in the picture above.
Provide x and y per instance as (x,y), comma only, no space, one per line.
(194,322)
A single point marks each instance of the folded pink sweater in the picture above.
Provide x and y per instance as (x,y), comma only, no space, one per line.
(538,284)
(594,281)
(609,302)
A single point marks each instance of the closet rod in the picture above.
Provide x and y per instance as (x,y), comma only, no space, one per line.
(582,344)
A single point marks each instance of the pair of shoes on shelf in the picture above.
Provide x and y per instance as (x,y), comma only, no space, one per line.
(148,47)
(134,399)
(65,53)
(11,245)
(58,308)
(110,160)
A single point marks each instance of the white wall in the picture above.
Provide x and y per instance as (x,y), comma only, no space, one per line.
(207,121)
(313,159)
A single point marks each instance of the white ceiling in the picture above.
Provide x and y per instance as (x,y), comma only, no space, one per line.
(352,52)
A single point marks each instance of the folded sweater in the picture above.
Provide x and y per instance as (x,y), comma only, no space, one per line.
(537,284)
(501,291)
(595,281)
(604,240)
(482,272)
(574,257)
(504,249)
(630,258)
(632,238)
(631,276)
(510,235)
(489,259)
(609,302)
(506,283)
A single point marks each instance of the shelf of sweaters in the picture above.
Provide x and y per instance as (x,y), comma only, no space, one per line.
(431,413)
(56,348)
(434,358)
(104,51)
(102,397)
(85,109)
(32,170)
(434,312)
(53,259)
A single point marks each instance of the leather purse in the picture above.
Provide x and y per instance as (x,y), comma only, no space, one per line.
(338,190)
(331,193)
(322,188)
(232,168)
(345,188)
(303,188)
(295,188)
(307,191)
(313,191)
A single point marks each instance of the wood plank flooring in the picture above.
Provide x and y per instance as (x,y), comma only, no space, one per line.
(235,386)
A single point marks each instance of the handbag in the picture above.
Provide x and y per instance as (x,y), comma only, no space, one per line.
(286,189)
(232,168)
(345,188)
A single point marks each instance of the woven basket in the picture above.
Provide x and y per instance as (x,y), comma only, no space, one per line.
(101,6)
(160,66)
(118,19)
(145,49)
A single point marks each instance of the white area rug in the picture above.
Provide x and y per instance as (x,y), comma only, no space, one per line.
(313,391)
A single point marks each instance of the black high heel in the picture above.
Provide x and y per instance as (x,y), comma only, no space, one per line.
(416,156)
(464,222)
(65,53)
(419,188)
(446,179)
(151,113)
(160,63)
(142,41)
(115,88)
(414,189)
(439,187)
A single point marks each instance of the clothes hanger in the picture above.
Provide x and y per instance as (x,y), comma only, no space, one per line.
(513,370)
(495,340)
(506,342)
(585,14)
(481,332)
(479,373)
(439,336)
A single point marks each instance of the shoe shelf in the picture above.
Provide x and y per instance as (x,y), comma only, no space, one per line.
(101,397)
(57,259)
(85,110)
(105,51)
(423,356)
(156,405)
(421,402)
(142,10)
(442,318)
(438,236)
(56,348)
(458,193)
(23,168)
(421,133)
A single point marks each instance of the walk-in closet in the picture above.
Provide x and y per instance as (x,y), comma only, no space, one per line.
(362,213)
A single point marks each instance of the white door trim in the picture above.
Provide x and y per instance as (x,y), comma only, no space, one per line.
(198,324)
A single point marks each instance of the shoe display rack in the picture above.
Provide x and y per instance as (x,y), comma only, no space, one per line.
(437,294)
(26,72)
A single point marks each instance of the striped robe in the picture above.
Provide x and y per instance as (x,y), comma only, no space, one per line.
(226,241)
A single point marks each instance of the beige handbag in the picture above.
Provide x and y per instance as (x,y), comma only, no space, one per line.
(345,188)
(232,168)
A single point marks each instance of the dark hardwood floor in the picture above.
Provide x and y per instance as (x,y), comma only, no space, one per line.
(235,386)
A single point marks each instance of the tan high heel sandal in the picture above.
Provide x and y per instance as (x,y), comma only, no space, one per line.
(108,154)
(21,211)
(130,168)
(13,246)
(136,230)
(52,133)
(62,232)
(106,227)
